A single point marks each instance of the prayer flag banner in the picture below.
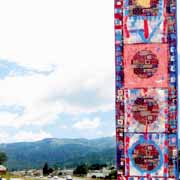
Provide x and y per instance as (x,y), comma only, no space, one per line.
(146,89)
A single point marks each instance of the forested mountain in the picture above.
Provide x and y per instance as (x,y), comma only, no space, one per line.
(61,152)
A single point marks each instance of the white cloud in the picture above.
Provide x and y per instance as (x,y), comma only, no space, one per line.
(3,137)
(104,133)
(40,33)
(7,119)
(100,133)
(88,124)
(79,43)
(27,136)
(45,97)
(63,127)
(30,136)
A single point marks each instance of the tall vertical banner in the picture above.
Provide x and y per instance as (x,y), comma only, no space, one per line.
(146,89)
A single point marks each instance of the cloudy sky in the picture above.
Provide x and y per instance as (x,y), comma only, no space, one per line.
(56,69)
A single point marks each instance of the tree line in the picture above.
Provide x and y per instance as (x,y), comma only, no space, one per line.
(82,170)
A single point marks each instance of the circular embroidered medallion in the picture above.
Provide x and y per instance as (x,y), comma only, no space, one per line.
(146,157)
(145,110)
(144,64)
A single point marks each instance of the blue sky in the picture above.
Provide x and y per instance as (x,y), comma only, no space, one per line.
(56,69)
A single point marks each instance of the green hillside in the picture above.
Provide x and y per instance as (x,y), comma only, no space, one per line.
(62,152)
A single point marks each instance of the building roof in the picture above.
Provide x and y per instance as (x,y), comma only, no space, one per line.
(2,168)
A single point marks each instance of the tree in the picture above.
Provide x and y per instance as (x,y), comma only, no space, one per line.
(55,167)
(3,157)
(81,170)
(60,174)
(50,170)
(45,169)
(97,166)
(112,175)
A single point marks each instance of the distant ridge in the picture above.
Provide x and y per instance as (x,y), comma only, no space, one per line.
(62,152)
